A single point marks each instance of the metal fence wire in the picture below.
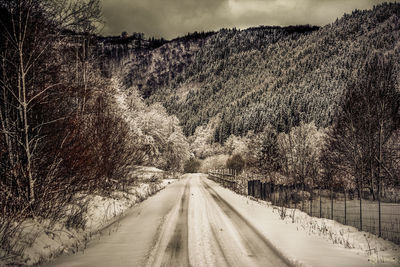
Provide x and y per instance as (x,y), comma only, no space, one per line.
(379,218)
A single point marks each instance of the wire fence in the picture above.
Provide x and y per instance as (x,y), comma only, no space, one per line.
(379,218)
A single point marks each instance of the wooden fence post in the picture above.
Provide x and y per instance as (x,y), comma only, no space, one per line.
(379,207)
(264,191)
(360,195)
(311,200)
(331,203)
(320,203)
(345,207)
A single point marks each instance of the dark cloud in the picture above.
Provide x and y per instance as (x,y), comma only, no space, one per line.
(171,18)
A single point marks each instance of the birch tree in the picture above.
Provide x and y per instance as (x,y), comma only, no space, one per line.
(32,46)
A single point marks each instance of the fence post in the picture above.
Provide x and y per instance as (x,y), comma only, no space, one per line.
(320,203)
(345,207)
(302,198)
(379,206)
(360,195)
(278,190)
(256,188)
(234,182)
(331,203)
(265,191)
(311,200)
(249,187)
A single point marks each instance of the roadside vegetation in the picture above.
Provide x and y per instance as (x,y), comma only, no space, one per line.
(63,135)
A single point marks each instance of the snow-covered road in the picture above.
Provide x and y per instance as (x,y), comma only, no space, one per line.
(195,222)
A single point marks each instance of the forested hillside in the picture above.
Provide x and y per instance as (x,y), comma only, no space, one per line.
(289,103)
(148,64)
(266,75)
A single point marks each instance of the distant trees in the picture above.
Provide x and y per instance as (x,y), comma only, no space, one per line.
(192,166)
(271,75)
(236,145)
(201,142)
(236,162)
(358,143)
(262,154)
(300,151)
(161,138)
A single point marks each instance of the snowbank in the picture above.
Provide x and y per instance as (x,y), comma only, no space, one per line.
(310,241)
(45,240)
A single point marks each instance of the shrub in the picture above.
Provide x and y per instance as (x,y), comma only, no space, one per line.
(236,162)
(192,166)
(213,162)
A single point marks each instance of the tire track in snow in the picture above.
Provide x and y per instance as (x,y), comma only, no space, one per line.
(205,248)
(176,252)
(261,249)
(217,241)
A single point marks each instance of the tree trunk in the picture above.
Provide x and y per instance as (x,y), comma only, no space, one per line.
(24,119)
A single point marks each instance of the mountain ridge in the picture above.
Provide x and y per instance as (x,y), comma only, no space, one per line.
(262,75)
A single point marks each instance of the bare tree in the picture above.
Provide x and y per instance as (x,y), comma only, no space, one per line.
(368,117)
(32,85)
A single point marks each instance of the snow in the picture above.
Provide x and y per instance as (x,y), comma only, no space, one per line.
(46,241)
(213,230)
(129,242)
(313,241)
(196,222)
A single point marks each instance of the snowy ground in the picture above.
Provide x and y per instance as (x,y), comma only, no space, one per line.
(198,223)
(390,214)
(46,242)
(311,241)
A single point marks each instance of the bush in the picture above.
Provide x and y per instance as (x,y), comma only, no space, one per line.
(213,163)
(192,166)
(236,162)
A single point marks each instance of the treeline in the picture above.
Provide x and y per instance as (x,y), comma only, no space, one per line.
(148,71)
(363,143)
(64,133)
(359,151)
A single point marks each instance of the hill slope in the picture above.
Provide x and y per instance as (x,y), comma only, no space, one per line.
(259,76)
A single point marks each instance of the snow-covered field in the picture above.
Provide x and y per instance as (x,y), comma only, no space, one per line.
(45,241)
(196,222)
(390,215)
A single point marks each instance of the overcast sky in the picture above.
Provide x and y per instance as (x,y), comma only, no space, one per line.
(172,18)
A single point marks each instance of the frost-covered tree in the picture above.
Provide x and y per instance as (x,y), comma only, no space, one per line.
(300,151)
(367,119)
